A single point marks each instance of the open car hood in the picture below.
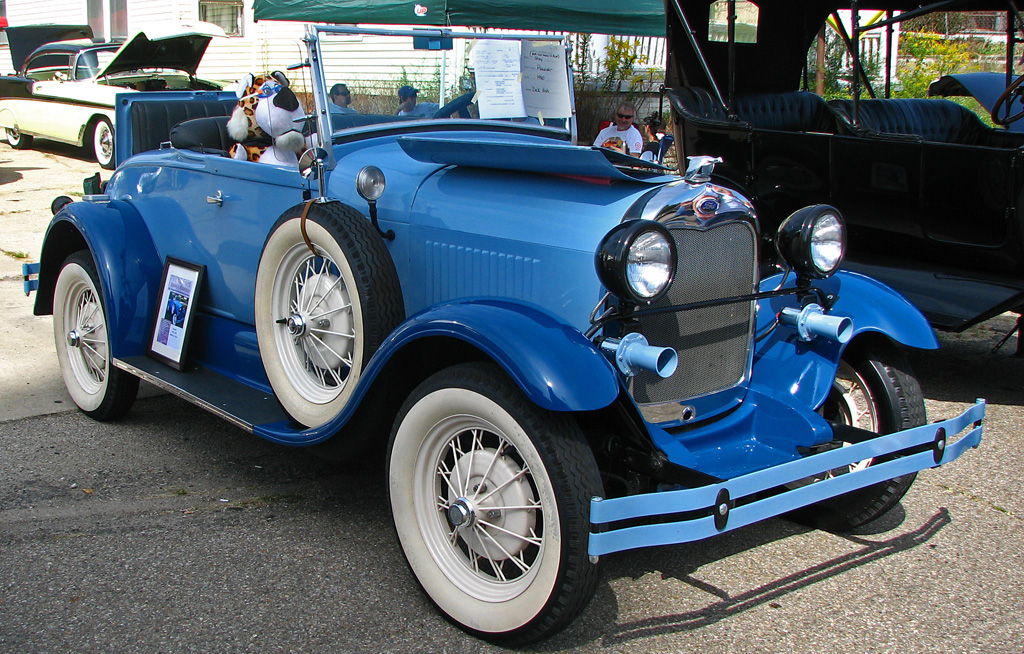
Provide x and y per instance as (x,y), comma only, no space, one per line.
(25,39)
(178,50)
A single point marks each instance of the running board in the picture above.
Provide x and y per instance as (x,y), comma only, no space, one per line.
(239,404)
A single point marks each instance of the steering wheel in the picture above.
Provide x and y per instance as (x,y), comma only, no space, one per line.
(1003,97)
(459,104)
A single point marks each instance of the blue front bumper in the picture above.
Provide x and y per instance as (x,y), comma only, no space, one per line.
(721,507)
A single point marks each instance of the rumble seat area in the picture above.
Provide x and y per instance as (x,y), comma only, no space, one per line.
(151,122)
(793,111)
(932,120)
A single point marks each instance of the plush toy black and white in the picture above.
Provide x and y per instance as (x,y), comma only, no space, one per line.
(265,121)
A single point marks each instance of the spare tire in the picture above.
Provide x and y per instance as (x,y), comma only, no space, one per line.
(323,307)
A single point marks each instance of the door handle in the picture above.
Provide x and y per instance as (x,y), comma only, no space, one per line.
(215,199)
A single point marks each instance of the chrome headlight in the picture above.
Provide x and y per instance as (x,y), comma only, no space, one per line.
(813,241)
(637,260)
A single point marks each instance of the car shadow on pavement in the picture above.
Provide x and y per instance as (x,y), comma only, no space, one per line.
(729,605)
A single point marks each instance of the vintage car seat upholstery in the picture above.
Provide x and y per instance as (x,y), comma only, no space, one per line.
(209,135)
(152,121)
(934,120)
(790,111)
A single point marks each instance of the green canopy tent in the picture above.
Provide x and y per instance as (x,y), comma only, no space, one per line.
(637,17)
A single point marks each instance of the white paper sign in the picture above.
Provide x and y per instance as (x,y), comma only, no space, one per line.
(500,95)
(545,83)
(492,56)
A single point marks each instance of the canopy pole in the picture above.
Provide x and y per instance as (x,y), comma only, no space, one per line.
(700,53)
(732,53)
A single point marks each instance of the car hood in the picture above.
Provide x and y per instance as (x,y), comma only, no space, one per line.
(178,50)
(25,39)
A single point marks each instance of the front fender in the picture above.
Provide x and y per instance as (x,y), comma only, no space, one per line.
(126,260)
(785,364)
(554,365)
(552,362)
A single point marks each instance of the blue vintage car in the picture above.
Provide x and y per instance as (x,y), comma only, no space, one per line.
(566,351)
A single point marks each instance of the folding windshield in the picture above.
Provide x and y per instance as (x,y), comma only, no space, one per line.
(366,77)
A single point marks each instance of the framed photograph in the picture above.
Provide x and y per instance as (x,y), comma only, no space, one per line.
(175,309)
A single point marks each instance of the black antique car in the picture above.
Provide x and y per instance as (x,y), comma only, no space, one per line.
(931,193)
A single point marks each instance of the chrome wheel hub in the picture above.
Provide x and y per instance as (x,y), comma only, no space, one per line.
(74,338)
(296,325)
(461,514)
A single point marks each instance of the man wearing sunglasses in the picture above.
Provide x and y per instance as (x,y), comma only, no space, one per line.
(341,98)
(622,135)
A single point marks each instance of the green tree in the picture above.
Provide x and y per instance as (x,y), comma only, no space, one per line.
(926,57)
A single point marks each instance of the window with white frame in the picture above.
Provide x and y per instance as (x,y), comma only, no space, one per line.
(228,14)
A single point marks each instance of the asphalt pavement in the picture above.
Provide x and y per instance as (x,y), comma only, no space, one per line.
(172,531)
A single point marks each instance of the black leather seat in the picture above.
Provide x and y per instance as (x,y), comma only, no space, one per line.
(791,111)
(934,120)
(152,121)
(209,135)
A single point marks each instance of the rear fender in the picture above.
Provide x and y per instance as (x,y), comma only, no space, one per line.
(128,275)
(783,364)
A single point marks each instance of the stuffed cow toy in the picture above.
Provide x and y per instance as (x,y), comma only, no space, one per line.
(264,122)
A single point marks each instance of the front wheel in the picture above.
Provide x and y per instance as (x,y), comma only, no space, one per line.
(17,140)
(99,389)
(490,497)
(103,143)
(875,390)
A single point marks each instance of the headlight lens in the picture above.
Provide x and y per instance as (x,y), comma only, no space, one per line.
(637,260)
(649,264)
(827,243)
(813,241)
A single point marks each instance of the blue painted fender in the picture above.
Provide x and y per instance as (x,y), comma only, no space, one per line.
(556,367)
(551,361)
(128,277)
(785,364)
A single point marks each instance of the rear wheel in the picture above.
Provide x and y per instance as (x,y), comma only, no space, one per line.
(490,497)
(103,143)
(80,334)
(17,140)
(874,390)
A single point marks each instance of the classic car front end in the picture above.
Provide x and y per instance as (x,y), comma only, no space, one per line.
(65,88)
(575,352)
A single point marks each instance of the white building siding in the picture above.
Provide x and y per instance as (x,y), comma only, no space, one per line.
(61,12)
(143,13)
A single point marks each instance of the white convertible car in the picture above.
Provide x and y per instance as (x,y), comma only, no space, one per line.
(67,81)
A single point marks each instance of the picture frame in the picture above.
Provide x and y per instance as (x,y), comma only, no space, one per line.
(175,311)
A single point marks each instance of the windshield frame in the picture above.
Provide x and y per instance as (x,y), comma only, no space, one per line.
(315,62)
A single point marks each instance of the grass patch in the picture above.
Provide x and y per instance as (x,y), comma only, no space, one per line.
(17,254)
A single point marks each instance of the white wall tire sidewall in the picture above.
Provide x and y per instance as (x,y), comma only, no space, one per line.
(102,128)
(407,475)
(281,243)
(71,281)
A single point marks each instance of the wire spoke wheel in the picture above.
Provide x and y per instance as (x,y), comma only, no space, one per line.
(83,343)
(490,497)
(487,509)
(326,297)
(315,319)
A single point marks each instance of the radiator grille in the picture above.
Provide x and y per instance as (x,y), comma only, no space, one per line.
(712,343)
